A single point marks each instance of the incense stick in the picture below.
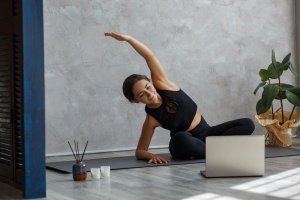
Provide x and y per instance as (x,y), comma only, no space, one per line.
(84,150)
(72,150)
(76,154)
(76,151)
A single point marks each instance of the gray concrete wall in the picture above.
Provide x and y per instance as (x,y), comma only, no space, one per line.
(212,49)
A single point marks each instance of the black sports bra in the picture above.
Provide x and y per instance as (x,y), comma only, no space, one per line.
(176,112)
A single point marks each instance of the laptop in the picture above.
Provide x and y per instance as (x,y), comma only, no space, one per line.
(232,156)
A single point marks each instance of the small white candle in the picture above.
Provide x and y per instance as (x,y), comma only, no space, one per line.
(105,171)
(95,173)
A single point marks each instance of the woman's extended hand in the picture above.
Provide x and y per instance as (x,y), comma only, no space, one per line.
(157,159)
(117,36)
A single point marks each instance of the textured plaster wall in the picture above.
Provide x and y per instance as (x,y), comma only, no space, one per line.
(212,49)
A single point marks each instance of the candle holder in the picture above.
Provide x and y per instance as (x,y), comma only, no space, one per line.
(105,171)
(95,173)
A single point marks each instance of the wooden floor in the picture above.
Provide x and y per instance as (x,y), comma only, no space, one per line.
(282,181)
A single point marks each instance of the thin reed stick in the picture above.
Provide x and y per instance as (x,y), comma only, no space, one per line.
(84,150)
(76,151)
(72,150)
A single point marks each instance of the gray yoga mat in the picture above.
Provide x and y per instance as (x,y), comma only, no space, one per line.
(128,162)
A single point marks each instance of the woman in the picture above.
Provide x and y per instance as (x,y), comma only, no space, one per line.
(169,107)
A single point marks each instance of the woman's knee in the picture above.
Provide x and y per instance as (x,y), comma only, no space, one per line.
(180,138)
(183,145)
(182,134)
(249,126)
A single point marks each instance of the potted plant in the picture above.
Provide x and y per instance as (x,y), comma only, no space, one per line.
(278,122)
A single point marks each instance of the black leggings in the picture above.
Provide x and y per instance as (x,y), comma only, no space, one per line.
(188,145)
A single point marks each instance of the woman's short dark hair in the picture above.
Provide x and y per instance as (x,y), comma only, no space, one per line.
(129,83)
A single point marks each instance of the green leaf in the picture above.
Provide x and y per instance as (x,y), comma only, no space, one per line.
(284,66)
(260,108)
(259,86)
(293,96)
(264,74)
(283,88)
(286,59)
(293,70)
(274,59)
(282,96)
(269,94)
(274,72)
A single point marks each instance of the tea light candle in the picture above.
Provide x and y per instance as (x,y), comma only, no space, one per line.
(95,173)
(105,171)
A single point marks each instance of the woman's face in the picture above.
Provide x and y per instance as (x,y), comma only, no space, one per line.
(144,92)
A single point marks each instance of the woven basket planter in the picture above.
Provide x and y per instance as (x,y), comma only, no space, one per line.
(278,135)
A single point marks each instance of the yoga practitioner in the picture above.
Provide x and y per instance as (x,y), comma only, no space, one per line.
(168,106)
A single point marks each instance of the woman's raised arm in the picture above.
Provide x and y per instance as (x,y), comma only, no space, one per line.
(158,75)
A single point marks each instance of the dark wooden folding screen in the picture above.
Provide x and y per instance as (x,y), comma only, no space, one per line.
(21,123)
(11,93)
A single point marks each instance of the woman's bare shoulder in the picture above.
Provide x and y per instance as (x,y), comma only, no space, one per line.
(151,122)
(166,85)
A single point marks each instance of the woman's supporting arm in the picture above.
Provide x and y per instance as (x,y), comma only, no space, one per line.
(142,149)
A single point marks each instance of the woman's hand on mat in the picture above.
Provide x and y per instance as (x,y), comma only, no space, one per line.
(157,159)
(117,36)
